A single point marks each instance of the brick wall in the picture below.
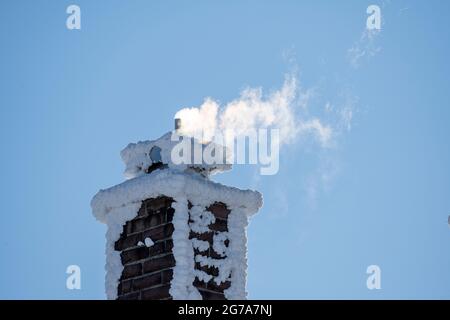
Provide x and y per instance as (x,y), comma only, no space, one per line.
(148,270)
(210,290)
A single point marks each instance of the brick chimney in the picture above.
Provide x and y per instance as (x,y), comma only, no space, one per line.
(172,233)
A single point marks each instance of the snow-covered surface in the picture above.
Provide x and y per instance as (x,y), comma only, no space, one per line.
(182,286)
(198,190)
(200,245)
(137,156)
(115,221)
(219,243)
(119,204)
(201,219)
(148,242)
(237,253)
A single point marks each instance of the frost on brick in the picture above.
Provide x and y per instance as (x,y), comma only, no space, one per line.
(193,193)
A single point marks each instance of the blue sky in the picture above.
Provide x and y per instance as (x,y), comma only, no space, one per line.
(72,99)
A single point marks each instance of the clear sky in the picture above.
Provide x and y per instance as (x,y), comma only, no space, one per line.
(70,100)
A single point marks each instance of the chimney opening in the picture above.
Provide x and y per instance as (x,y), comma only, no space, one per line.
(177,123)
(155,154)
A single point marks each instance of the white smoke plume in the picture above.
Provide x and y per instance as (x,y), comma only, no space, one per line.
(281,109)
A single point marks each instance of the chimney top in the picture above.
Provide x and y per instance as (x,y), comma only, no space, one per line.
(177,123)
(138,156)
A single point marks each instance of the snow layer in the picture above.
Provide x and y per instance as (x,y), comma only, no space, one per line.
(137,156)
(219,243)
(182,286)
(223,265)
(201,219)
(148,242)
(237,253)
(198,190)
(119,204)
(115,221)
(200,245)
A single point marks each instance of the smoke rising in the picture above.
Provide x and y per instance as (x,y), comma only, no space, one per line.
(253,110)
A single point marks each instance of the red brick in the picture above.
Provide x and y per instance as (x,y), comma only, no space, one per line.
(220,225)
(208,295)
(207,236)
(142,212)
(159,233)
(132,271)
(155,264)
(131,296)
(167,276)
(155,204)
(124,287)
(154,220)
(213,254)
(199,283)
(169,245)
(219,210)
(211,270)
(147,281)
(137,225)
(169,214)
(157,248)
(134,254)
(156,293)
(126,242)
(212,285)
